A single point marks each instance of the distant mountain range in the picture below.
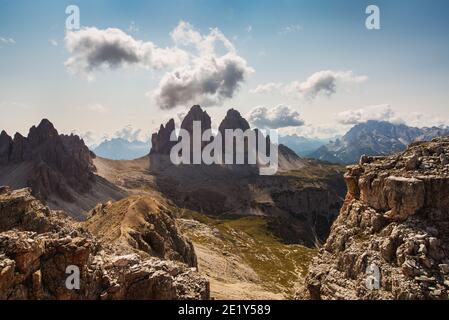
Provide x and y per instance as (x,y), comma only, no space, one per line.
(374,138)
(303,146)
(369,138)
(122,149)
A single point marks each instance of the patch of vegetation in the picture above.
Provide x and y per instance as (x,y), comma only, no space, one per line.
(278,265)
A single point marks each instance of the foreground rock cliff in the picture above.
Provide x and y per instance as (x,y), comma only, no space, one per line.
(395,220)
(37,245)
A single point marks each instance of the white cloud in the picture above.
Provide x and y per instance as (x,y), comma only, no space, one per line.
(209,78)
(200,69)
(128,133)
(92,139)
(291,28)
(184,35)
(133,28)
(418,119)
(268,88)
(88,137)
(379,113)
(210,81)
(385,112)
(93,49)
(318,131)
(53,42)
(275,118)
(7,41)
(325,82)
(97,107)
(249,29)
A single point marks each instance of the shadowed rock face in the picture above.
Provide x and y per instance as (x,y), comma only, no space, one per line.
(233,120)
(5,148)
(37,245)
(58,162)
(196,114)
(395,216)
(160,141)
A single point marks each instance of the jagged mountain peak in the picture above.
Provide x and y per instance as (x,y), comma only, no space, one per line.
(196,113)
(374,138)
(233,120)
(42,132)
(53,165)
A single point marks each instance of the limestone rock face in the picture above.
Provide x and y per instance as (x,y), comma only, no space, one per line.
(196,114)
(37,246)
(5,148)
(395,218)
(161,144)
(160,141)
(233,120)
(51,164)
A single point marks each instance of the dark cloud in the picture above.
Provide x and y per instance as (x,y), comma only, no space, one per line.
(210,81)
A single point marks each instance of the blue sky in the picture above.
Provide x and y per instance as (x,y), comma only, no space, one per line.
(284,42)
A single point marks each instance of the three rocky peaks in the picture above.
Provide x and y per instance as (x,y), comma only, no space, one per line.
(161,143)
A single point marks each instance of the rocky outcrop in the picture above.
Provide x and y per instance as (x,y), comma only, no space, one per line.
(5,148)
(160,141)
(39,250)
(196,114)
(56,163)
(142,223)
(58,168)
(161,144)
(392,230)
(233,120)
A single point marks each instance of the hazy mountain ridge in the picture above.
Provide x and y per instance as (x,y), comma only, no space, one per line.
(374,138)
(122,149)
(302,146)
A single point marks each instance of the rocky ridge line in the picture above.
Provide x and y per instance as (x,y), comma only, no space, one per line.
(59,162)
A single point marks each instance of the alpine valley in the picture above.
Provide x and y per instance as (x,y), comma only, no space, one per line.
(148,229)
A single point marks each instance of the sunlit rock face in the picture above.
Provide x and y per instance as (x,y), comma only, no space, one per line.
(395,218)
